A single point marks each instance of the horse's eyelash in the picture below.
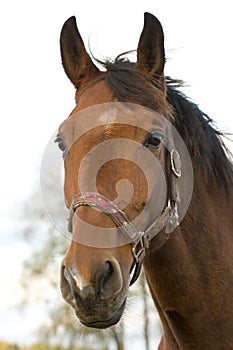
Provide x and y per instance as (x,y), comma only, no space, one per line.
(61,143)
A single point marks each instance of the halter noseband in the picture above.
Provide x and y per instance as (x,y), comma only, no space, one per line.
(140,240)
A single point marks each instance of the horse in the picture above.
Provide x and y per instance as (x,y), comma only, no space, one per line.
(124,112)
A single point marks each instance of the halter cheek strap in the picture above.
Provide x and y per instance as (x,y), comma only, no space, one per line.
(140,240)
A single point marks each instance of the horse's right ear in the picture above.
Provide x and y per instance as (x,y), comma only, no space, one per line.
(150,52)
(76,62)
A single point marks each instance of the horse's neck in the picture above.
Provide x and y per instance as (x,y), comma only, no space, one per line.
(191,278)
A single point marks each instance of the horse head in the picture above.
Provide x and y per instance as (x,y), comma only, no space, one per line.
(116,178)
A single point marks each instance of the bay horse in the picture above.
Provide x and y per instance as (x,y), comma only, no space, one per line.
(122,111)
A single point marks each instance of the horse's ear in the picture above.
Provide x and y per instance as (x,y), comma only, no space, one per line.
(76,62)
(150,52)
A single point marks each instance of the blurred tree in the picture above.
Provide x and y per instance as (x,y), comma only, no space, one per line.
(145,312)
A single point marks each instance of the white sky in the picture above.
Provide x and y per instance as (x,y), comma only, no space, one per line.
(36,95)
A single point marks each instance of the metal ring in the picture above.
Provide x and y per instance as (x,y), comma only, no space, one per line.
(175,162)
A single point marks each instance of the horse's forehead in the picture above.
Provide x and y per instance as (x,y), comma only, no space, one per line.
(106,116)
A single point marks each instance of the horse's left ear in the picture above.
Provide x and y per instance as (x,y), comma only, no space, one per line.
(150,51)
(76,62)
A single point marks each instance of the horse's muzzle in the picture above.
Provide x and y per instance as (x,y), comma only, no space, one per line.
(100,302)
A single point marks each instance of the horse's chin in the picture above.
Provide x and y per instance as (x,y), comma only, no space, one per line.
(102,323)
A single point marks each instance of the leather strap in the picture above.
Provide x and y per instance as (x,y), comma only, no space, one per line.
(94,199)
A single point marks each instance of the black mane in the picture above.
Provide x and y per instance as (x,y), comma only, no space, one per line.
(203,140)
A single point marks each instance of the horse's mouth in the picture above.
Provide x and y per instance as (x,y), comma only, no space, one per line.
(103,323)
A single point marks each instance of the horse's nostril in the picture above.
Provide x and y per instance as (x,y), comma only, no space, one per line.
(66,287)
(108,280)
(67,276)
(106,273)
(65,273)
(108,268)
(68,280)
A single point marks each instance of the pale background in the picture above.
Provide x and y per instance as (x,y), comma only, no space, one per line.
(36,96)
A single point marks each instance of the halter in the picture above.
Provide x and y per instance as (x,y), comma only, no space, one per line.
(140,240)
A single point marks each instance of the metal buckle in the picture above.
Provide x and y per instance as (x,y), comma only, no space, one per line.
(139,247)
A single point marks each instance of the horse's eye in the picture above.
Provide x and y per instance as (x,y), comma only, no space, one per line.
(61,143)
(153,140)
